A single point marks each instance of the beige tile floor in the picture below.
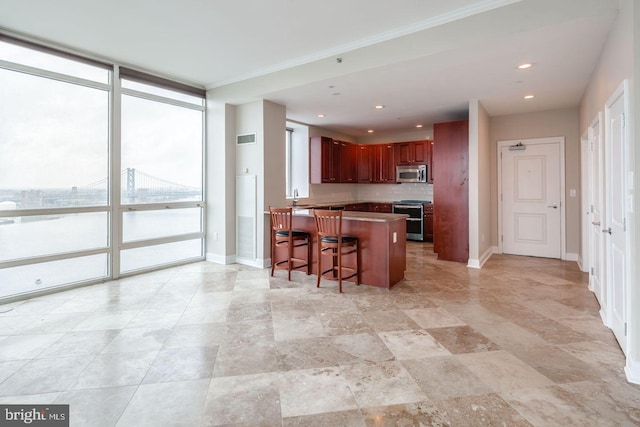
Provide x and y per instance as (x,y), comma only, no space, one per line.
(516,343)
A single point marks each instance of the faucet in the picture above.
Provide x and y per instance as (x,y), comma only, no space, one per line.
(295,196)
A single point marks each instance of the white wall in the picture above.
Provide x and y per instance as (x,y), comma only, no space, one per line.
(479,185)
(539,125)
(220,181)
(266,160)
(620,60)
(274,163)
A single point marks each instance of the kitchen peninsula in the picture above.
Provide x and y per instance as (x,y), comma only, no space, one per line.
(382,239)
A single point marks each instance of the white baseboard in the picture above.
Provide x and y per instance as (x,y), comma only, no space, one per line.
(632,371)
(603,317)
(495,250)
(571,257)
(220,259)
(257,263)
(478,263)
(581,264)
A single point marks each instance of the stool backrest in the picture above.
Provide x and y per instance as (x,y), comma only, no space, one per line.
(281,218)
(328,222)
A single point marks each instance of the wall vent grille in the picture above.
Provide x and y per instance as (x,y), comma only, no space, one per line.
(246,138)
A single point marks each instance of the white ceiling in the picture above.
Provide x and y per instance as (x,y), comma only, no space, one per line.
(422,59)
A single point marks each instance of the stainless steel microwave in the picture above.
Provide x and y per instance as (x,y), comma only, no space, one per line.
(413,173)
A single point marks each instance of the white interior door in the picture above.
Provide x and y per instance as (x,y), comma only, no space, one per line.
(531,181)
(596,203)
(615,225)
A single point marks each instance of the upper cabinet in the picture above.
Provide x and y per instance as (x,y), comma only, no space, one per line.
(349,162)
(366,163)
(412,153)
(430,162)
(333,161)
(385,165)
(324,165)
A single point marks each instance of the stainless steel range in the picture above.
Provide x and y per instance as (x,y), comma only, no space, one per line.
(415,222)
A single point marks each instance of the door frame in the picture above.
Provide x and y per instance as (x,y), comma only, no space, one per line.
(587,192)
(532,141)
(584,257)
(622,91)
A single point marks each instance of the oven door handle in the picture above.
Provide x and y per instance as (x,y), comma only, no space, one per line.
(414,219)
(407,207)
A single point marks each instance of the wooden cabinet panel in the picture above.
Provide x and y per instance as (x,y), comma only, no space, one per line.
(419,152)
(333,161)
(324,157)
(428,222)
(385,164)
(451,190)
(366,163)
(348,162)
(411,153)
(429,156)
(382,207)
(324,160)
(358,207)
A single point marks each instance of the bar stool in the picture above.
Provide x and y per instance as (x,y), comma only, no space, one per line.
(332,241)
(282,235)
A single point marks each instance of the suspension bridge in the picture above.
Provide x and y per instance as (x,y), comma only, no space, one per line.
(138,187)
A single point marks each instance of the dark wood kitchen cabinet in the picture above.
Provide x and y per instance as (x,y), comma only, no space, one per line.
(451,191)
(324,160)
(430,162)
(381,207)
(385,164)
(411,153)
(348,162)
(366,163)
(428,222)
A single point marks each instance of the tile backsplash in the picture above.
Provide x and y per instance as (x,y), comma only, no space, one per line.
(321,193)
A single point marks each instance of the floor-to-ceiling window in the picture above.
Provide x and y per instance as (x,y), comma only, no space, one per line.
(99,176)
(162,180)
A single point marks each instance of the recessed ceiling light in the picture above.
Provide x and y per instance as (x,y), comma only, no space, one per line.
(370,131)
(525,66)
(379,107)
(418,126)
(321,115)
(528,96)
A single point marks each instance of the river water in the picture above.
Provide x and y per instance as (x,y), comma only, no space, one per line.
(53,234)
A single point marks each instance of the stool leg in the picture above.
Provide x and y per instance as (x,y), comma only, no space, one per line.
(289,262)
(340,268)
(309,255)
(319,263)
(273,253)
(358,263)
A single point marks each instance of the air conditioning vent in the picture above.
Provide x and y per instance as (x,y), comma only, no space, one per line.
(247,138)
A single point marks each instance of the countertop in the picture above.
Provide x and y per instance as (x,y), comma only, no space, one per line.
(307,205)
(358,216)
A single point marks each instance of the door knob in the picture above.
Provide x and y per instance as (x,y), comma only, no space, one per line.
(607,230)
(596,223)
(554,206)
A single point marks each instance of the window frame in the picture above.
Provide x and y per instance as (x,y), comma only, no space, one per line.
(113,208)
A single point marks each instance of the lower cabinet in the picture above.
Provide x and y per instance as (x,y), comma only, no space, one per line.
(428,222)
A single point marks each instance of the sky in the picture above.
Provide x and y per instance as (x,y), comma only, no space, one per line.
(56,135)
